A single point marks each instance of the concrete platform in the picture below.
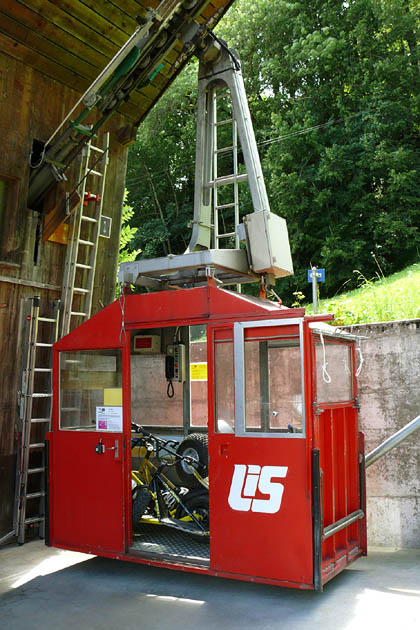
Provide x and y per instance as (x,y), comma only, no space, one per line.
(49,588)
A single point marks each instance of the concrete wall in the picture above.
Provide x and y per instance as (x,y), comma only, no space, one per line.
(389,396)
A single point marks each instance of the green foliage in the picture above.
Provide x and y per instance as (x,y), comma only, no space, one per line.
(127,234)
(125,253)
(380,300)
(160,175)
(334,92)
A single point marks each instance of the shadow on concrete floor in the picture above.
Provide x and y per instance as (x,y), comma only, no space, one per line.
(48,588)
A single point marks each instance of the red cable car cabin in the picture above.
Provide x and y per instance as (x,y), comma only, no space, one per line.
(275,390)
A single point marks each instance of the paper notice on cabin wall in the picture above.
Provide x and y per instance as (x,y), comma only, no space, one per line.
(198,371)
(109,419)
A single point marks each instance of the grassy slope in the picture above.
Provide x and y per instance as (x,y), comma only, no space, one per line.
(381,300)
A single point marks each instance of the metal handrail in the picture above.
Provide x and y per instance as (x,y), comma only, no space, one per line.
(332,529)
(392,441)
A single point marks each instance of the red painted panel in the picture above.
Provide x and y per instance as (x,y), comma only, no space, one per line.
(269,536)
(188,306)
(341,489)
(238,306)
(272,332)
(260,490)
(86,492)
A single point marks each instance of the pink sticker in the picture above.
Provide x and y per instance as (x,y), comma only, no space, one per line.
(102,424)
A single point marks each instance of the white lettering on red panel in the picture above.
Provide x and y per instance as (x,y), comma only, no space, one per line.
(247,478)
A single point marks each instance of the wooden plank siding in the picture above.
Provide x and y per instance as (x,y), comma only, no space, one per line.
(71,41)
(31,106)
(42,104)
(50,52)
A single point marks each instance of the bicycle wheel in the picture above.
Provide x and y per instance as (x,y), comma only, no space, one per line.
(198,505)
(141,501)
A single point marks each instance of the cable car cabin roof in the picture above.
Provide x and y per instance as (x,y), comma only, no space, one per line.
(183,306)
(71,42)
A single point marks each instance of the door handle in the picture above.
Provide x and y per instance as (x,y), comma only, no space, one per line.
(115,448)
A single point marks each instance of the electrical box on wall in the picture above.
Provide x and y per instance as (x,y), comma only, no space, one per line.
(105,227)
(268,244)
(146,344)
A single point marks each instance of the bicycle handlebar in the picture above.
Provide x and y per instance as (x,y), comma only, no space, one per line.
(167,445)
(138,429)
(160,443)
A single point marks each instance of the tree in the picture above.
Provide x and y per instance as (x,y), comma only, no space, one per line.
(333,89)
(160,175)
(341,81)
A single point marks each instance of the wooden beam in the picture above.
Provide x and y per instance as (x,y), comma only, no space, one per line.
(78,30)
(84,15)
(55,57)
(31,283)
(43,64)
(53,70)
(38,43)
(124,21)
(36,22)
(133,7)
(71,41)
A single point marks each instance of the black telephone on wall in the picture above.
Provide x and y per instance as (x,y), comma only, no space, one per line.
(174,366)
(175,362)
(169,367)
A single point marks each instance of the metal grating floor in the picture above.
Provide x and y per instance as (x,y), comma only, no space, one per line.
(162,542)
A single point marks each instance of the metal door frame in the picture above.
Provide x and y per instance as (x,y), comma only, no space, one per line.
(239,363)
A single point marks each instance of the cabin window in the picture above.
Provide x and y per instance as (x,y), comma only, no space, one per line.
(273,386)
(198,376)
(269,378)
(224,386)
(333,371)
(91,390)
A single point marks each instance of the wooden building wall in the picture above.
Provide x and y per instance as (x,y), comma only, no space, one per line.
(31,106)
(50,52)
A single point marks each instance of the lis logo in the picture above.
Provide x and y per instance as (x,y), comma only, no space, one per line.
(247,478)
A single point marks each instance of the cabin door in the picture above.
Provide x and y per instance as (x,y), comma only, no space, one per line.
(87,453)
(260,501)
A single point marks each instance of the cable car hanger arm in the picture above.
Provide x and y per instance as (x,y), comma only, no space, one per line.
(133,67)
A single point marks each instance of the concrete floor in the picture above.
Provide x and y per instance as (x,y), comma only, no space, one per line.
(49,588)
